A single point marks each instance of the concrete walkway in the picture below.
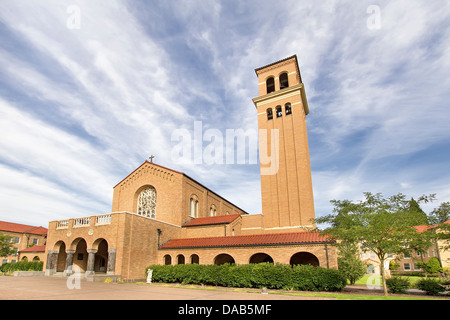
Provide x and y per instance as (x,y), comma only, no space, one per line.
(55,288)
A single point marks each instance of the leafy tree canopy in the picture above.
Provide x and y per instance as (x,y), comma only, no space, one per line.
(378,224)
(6,247)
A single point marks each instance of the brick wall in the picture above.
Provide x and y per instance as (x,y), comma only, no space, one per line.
(242,255)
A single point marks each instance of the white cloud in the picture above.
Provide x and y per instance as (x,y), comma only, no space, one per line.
(122,77)
(29,199)
(51,153)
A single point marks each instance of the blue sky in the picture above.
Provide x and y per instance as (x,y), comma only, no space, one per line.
(87,95)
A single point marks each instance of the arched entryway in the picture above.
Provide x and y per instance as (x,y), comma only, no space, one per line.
(56,258)
(260,258)
(223,258)
(80,256)
(101,256)
(60,247)
(304,258)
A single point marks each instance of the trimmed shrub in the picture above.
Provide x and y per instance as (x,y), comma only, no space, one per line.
(398,285)
(309,278)
(22,266)
(329,280)
(269,275)
(302,278)
(430,286)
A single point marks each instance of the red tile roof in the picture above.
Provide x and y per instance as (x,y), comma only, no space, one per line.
(225,219)
(427,227)
(248,240)
(21,228)
(423,228)
(34,249)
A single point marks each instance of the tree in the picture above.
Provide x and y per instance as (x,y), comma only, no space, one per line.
(6,247)
(432,266)
(421,215)
(349,262)
(378,224)
(440,215)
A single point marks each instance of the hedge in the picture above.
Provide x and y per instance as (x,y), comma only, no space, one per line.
(269,275)
(22,266)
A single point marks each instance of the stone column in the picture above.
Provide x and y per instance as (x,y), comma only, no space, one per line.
(111,262)
(90,263)
(69,262)
(52,258)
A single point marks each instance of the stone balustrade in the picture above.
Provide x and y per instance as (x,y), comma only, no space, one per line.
(81,222)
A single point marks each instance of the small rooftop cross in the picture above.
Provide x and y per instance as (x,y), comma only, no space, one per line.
(151,158)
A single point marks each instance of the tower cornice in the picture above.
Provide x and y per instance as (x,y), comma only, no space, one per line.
(282,94)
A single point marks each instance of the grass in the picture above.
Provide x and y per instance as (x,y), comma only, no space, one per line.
(413,280)
(335,295)
(343,296)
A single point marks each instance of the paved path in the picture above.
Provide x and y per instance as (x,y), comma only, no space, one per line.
(49,288)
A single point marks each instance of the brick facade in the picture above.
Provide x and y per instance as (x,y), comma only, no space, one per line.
(24,238)
(287,195)
(126,241)
(242,255)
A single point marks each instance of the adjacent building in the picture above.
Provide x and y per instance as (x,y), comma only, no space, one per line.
(28,241)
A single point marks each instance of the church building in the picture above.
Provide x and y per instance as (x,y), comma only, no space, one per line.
(163,216)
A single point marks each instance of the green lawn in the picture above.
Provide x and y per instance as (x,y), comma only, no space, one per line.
(343,296)
(335,295)
(413,280)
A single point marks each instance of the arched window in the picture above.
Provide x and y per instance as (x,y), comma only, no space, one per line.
(279,111)
(223,258)
(147,202)
(288,108)
(180,259)
(270,85)
(260,258)
(284,82)
(195,259)
(193,205)
(212,211)
(167,260)
(304,258)
(269,114)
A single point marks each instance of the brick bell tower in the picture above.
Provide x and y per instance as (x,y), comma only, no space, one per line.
(286,185)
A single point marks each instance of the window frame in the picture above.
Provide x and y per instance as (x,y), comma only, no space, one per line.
(147,207)
(288,109)
(193,206)
(284,83)
(270,87)
(269,112)
(279,111)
